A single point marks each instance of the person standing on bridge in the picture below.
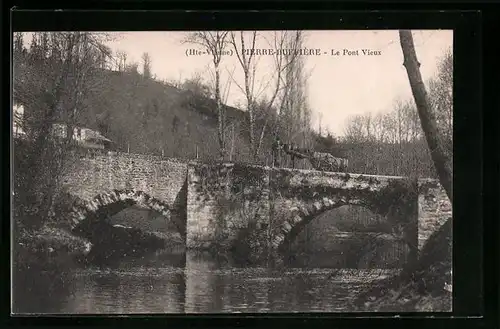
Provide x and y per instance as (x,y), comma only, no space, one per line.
(276,151)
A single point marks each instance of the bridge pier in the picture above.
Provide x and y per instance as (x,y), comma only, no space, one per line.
(226,203)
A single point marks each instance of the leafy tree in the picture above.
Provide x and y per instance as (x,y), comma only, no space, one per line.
(52,82)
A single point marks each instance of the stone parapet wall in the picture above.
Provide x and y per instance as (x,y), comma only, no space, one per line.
(159,177)
(434,208)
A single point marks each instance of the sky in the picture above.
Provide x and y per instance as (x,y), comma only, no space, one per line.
(337,86)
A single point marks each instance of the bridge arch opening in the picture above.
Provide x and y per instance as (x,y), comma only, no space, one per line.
(143,217)
(400,213)
(348,236)
(85,214)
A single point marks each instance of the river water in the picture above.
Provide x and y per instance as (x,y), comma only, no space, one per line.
(165,283)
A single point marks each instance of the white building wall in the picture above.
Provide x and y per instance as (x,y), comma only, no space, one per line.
(18,116)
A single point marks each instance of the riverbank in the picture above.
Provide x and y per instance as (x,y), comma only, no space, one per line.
(52,248)
(42,262)
(405,292)
(49,246)
(44,259)
(423,286)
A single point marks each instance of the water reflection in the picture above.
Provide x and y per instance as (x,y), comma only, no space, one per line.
(134,291)
(195,283)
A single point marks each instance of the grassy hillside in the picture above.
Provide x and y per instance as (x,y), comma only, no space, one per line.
(139,115)
(146,116)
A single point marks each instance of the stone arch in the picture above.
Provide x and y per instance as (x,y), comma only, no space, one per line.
(110,203)
(397,200)
(304,213)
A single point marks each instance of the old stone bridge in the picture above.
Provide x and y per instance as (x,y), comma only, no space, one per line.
(232,202)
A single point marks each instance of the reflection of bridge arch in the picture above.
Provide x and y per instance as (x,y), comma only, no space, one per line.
(110,203)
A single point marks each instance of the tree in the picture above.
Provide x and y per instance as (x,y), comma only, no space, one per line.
(52,84)
(433,268)
(248,67)
(214,43)
(121,58)
(132,68)
(442,161)
(378,130)
(388,143)
(248,62)
(441,98)
(146,66)
(83,81)
(18,42)
(354,131)
(320,118)
(294,111)
(197,86)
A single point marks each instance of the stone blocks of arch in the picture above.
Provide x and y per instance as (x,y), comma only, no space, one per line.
(82,211)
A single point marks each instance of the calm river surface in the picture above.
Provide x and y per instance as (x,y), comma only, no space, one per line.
(162,283)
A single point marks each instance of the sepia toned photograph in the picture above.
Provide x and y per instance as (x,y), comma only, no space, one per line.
(177,172)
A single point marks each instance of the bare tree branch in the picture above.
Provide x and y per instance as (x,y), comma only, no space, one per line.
(214,43)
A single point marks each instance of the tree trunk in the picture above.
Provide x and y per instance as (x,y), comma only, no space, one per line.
(442,161)
(220,115)
(251,114)
(232,143)
(436,252)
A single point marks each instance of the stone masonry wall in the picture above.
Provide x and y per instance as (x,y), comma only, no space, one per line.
(223,201)
(237,193)
(91,175)
(434,208)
